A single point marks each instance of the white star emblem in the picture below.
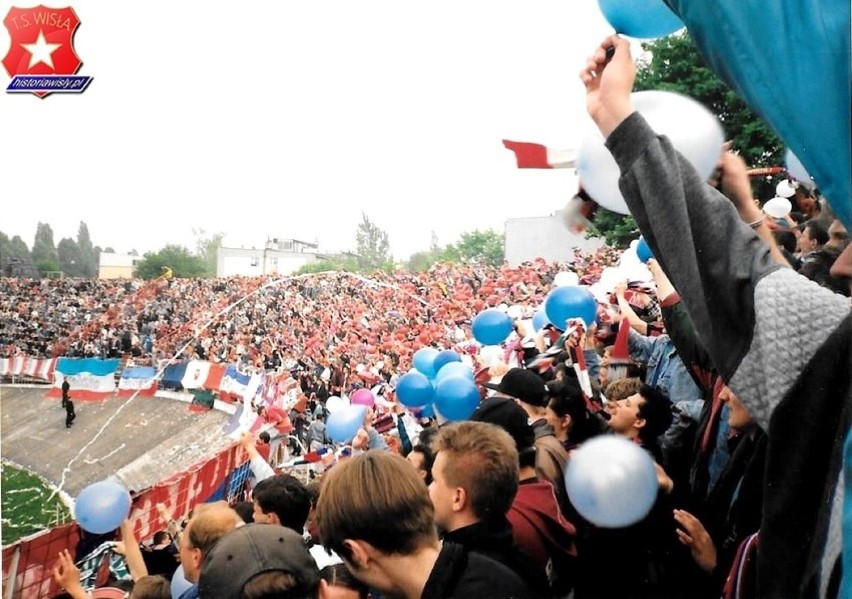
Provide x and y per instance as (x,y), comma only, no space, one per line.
(41,51)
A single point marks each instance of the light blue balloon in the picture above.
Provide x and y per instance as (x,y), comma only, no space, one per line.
(491,326)
(644,19)
(102,507)
(570,301)
(445,357)
(539,320)
(424,360)
(344,423)
(456,397)
(643,250)
(414,389)
(454,369)
(611,481)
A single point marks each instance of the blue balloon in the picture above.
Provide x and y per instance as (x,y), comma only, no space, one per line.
(539,320)
(643,251)
(567,302)
(102,507)
(424,360)
(456,397)
(491,326)
(644,19)
(611,481)
(414,389)
(344,423)
(445,357)
(428,411)
(454,369)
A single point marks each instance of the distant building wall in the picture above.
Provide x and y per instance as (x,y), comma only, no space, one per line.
(117,266)
(258,262)
(544,237)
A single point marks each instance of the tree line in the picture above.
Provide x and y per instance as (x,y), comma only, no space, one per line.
(80,258)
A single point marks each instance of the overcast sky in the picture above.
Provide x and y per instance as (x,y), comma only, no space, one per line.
(287,119)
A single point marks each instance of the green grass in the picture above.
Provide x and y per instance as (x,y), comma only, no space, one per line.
(25,506)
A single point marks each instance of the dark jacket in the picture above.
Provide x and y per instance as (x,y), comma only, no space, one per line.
(461,575)
(782,342)
(494,539)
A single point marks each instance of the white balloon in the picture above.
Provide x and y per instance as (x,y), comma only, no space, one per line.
(778,207)
(566,278)
(503,307)
(610,277)
(490,354)
(693,130)
(796,168)
(784,189)
(611,481)
(515,311)
(334,403)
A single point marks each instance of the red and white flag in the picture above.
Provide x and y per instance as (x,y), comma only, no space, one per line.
(530,155)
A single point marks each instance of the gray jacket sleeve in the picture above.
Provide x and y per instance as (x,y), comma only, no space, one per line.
(755,318)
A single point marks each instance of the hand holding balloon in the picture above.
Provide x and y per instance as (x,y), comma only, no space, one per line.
(102,507)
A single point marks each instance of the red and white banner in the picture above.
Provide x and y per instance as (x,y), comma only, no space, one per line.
(531,155)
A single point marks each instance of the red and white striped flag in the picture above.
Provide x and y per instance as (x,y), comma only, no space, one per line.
(530,155)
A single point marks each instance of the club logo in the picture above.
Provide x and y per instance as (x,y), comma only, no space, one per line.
(41,58)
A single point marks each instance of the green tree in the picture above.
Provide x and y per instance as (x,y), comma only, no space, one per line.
(672,63)
(618,230)
(19,253)
(675,65)
(207,248)
(487,247)
(372,246)
(70,258)
(179,259)
(44,253)
(88,259)
(347,264)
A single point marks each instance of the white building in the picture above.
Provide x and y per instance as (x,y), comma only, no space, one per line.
(278,256)
(544,237)
(117,266)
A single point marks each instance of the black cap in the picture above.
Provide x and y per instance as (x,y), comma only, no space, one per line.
(522,384)
(509,416)
(253,549)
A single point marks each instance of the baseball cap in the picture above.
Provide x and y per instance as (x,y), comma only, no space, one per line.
(509,416)
(254,549)
(521,384)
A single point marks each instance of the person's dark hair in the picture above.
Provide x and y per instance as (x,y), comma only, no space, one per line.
(246,511)
(566,399)
(817,231)
(286,497)
(160,537)
(785,239)
(428,459)
(275,584)
(152,587)
(656,410)
(340,576)
(264,436)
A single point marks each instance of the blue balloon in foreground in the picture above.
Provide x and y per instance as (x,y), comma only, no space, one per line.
(644,19)
(567,302)
(445,357)
(491,326)
(643,251)
(102,507)
(611,481)
(454,369)
(456,397)
(414,389)
(345,422)
(539,320)
(424,360)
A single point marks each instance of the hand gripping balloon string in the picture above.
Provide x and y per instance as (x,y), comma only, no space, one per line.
(192,341)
